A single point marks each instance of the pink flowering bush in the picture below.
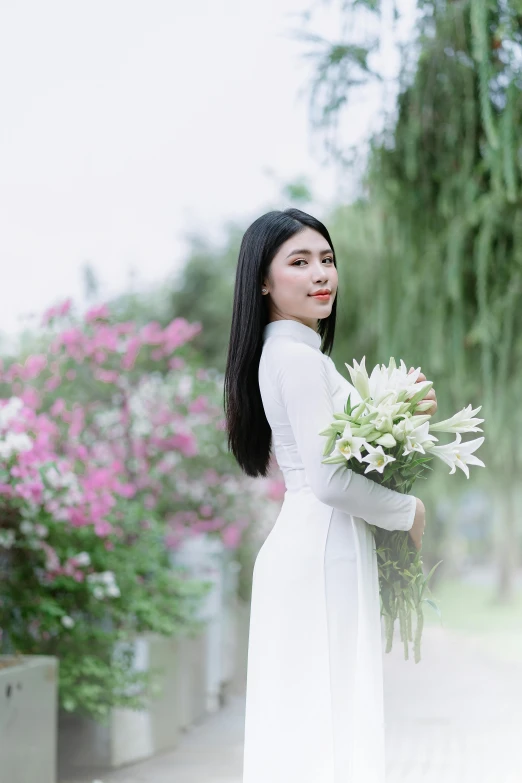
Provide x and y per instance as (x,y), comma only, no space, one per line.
(112,450)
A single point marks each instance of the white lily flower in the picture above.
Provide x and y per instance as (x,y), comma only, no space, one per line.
(404,426)
(377,459)
(385,413)
(424,406)
(399,431)
(360,378)
(387,440)
(417,438)
(460,422)
(395,378)
(349,445)
(457,454)
(380,388)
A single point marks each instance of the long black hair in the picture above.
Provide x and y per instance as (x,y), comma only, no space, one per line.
(249,433)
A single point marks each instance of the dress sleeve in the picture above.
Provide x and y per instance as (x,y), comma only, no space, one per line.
(302,381)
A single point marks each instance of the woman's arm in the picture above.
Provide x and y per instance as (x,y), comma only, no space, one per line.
(300,375)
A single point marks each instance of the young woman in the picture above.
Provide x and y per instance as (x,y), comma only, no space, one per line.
(314,698)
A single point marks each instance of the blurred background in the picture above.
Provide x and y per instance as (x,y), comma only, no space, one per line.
(137,144)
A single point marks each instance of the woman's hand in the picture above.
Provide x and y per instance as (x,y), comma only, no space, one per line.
(429,396)
(419,523)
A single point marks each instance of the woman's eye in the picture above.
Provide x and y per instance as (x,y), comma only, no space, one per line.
(303,259)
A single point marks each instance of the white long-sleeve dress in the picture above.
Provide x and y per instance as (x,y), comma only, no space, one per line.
(314,694)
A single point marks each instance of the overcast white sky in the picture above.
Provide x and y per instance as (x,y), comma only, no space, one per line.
(127,123)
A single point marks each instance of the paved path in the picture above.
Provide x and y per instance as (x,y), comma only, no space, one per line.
(456,717)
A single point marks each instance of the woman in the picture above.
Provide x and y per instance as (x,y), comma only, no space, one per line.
(314,698)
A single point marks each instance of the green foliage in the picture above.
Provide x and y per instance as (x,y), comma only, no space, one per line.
(439,274)
(203,291)
(91,635)
(434,254)
(446,179)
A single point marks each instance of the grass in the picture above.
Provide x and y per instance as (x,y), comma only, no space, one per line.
(471,609)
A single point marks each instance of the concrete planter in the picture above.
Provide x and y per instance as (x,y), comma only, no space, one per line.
(135,735)
(28,718)
(231,609)
(206,558)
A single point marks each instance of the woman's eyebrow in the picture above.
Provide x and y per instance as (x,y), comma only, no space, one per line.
(308,252)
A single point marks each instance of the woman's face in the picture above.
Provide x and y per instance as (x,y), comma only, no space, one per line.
(303,265)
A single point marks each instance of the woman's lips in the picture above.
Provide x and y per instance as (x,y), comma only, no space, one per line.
(321,296)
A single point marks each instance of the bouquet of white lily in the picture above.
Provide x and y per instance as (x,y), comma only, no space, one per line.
(387,436)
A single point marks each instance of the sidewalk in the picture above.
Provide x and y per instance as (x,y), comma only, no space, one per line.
(454,717)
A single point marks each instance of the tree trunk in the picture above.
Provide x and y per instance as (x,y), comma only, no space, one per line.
(507,543)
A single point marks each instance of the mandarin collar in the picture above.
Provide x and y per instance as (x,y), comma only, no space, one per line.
(294,329)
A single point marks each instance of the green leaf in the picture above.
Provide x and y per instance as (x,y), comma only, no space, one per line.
(433,606)
(429,577)
(334,460)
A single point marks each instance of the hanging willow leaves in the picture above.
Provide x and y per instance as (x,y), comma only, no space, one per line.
(443,178)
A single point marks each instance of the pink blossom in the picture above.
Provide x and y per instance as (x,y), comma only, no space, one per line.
(133,349)
(58,407)
(58,310)
(149,501)
(71,338)
(231,536)
(77,517)
(52,383)
(31,397)
(176,363)
(211,477)
(102,528)
(276,489)
(106,376)
(199,405)
(52,560)
(125,490)
(69,569)
(105,337)
(178,332)
(33,366)
(65,307)
(152,333)
(15,371)
(172,540)
(125,327)
(98,313)
(184,442)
